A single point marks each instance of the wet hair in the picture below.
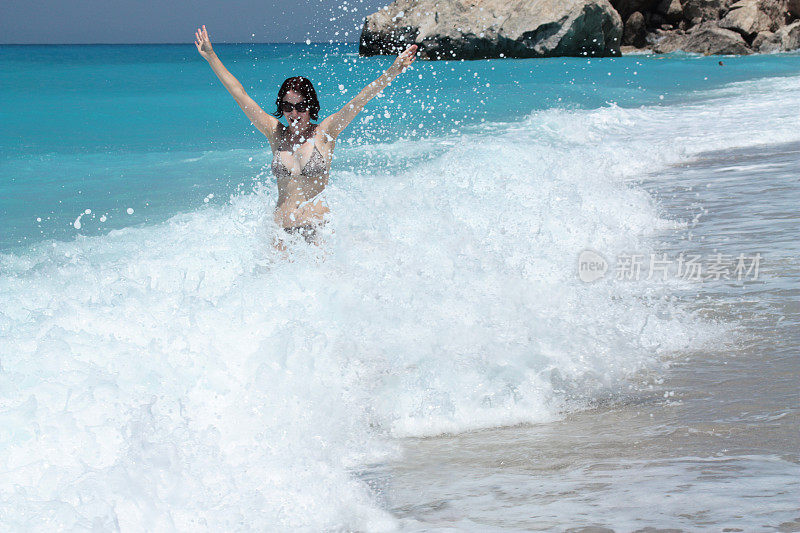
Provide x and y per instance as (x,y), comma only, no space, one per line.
(303,86)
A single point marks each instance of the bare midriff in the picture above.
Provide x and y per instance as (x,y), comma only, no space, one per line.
(301,203)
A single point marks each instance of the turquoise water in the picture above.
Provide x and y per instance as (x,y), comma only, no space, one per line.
(436,362)
(150,128)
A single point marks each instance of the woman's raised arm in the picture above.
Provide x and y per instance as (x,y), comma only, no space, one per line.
(334,124)
(266,123)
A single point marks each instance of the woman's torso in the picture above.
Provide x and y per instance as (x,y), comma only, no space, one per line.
(302,174)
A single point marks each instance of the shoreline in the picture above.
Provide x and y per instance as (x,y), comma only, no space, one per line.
(712,455)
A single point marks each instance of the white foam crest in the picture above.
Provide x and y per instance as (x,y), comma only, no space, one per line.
(635,142)
(475,281)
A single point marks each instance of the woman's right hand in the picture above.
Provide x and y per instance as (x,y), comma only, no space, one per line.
(203,44)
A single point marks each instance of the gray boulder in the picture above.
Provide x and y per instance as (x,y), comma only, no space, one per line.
(698,11)
(671,10)
(766,42)
(666,42)
(785,39)
(790,36)
(476,29)
(713,40)
(779,11)
(707,39)
(634,32)
(747,18)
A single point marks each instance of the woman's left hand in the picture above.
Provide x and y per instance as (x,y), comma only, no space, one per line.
(203,43)
(404,60)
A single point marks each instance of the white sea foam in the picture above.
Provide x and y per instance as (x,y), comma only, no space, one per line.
(186,376)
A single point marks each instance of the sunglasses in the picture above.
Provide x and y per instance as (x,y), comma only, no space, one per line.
(287,107)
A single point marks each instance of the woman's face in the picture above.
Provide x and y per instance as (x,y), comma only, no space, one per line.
(298,121)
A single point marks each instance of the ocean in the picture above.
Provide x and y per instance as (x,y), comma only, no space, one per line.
(554,294)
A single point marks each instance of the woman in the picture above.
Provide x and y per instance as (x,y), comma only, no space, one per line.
(302,151)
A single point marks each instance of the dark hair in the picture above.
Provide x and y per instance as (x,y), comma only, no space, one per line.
(300,85)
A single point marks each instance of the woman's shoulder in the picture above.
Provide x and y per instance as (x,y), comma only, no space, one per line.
(323,136)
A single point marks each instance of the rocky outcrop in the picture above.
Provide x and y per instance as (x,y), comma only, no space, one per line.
(713,26)
(477,29)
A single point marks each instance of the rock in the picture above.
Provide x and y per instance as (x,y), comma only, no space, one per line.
(789,37)
(712,40)
(766,42)
(475,29)
(784,39)
(706,39)
(699,11)
(671,10)
(747,18)
(750,17)
(778,11)
(634,31)
(718,26)
(666,42)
